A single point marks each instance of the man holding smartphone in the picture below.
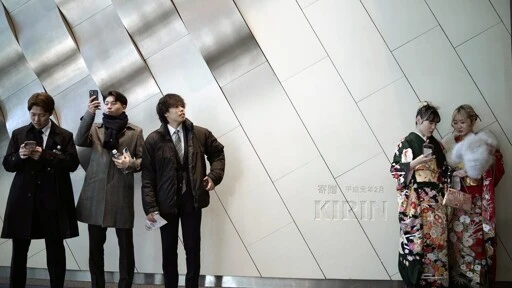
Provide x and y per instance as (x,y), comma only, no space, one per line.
(175,184)
(106,199)
(41,204)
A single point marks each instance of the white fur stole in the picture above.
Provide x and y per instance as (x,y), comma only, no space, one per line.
(473,152)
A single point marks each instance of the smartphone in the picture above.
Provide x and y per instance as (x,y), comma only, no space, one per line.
(30,145)
(428,149)
(94,93)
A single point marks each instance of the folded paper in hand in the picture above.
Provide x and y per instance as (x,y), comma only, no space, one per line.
(150,226)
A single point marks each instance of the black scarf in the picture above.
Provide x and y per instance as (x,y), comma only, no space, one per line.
(114,125)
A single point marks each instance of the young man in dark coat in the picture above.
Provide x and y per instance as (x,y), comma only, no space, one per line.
(175,184)
(41,203)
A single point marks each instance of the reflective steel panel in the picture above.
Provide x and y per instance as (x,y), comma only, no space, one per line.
(112,59)
(4,139)
(222,36)
(77,11)
(153,25)
(181,69)
(15,106)
(49,49)
(14,69)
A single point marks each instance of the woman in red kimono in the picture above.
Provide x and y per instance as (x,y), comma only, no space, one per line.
(472,235)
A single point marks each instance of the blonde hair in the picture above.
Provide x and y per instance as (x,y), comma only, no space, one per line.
(466,110)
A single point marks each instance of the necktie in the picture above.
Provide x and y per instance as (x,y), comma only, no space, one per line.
(179,148)
(178,144)
(39,138)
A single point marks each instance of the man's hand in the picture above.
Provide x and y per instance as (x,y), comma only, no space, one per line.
(93,105)
(122,163)
(208,183)
(36,153)
(24,153)
(151,217)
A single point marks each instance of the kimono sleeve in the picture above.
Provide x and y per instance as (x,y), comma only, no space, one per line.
(498,167)
(400,167)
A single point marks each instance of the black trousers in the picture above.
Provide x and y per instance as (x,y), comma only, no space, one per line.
(191,230)
(48,223)
(97,238)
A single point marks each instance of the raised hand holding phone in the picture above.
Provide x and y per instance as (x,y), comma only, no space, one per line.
(94,103)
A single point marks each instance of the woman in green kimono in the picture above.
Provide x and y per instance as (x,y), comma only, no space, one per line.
(423,257)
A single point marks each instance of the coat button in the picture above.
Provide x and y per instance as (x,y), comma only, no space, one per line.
(29,194)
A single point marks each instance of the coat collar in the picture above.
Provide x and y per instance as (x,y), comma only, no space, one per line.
(187,125)
(54,137)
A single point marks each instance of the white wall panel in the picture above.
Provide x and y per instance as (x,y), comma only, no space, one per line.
(291,45)
(437,74)
(354,45)
(270,121)
(77,11)
(305,3)
(331,232)
(399,103)
(222,250)
(12,5)
(6,252)
(399,21)
(180,68)
(463,19)
(324,105)
(488,59)
(285,254)
(247,193)
(503,9)
(370,190)
(144,115)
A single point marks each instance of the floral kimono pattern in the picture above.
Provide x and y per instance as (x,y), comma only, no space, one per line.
(472,241)
(423,252)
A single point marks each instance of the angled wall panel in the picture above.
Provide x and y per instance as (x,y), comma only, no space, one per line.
(12,5)
(47,45)
(180,68)
(290,46)
(153,25)
(14,69)
(77,11)
(222,36)
(113,61)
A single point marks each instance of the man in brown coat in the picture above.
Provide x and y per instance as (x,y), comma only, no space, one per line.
(176,185)
(106,199)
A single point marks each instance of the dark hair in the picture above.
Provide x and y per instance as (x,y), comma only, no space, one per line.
(43,100)
(118,97)
(166,102)
(428,113)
